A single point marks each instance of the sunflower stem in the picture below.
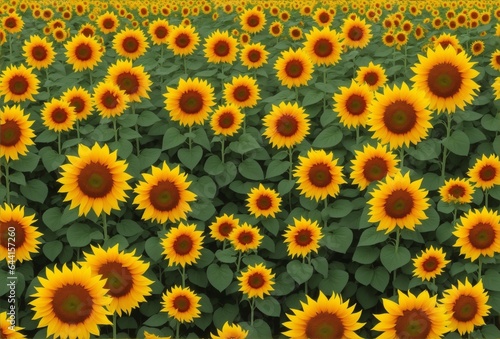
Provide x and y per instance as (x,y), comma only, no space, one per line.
(137,149)
(398,235)
(190,139)
(297,94)
(324,96)
(114,325)
(77,128)
(480,268)
(486,194)
(105,227)
(183,276)
(445,149)
(59,142)
(290,170)
(326,206)
(116,129)
(401,157)
(7,181)
(357,135)
(239,261)
(177,329)
(185,66)
(46,79)
(252,310)
(90,79)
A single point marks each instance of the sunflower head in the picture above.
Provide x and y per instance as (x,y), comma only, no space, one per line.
(15,132)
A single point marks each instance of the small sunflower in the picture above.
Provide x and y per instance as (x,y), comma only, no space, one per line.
(130,43)
(323,46)
(302,237)
(373,75)
(322,17)
(276,29)
(245,237)
(38,52)
(83,52)
(252,20)
(495,60)
(256,281)
(182,245)
(18,84)
(108,22)
(295,33)
(15,132)
(183,40)
(12,23)
(9,331)
(294,68)
(222,227)
(477,47)
(109,100)
(242,91)
(430,263)
(254,55)
(286,125)
(158,31)
(263,201)
(447,39)
(81,101)
(486,172)
(133,80)
(458,191)
(230,331)
(182,304)
(356,33)
(372,164)
(352,103)
(220,47)
(226,120)
(58,115)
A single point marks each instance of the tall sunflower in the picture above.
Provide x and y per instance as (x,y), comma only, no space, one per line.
(485,173)
(222,227)
(95,179)
(158,31)
(256,281)
(373,75)
(109,100)
(323,46)
(399,116)
(71,302)
(263,201)
(352,103)
(294,68)
(124,275)
(38,52)
(13,22)
(226,120)
(245,237)
(372,164)
(183,40)
(220,47)
(302,237)
(15,132)
(318,175)
(322,17)
(254,55)
(323,318)
(182,245)
(130,43)
(242,91)
(18,83)
(108,22)
(446,77)
(58,115)
(182,304)
(430,263)
(356,33)
(230,331)
(81,101)
(286,125)
(412,316)
(252,20)
(458,191)
(83,52)
(133,80)
(398,202)
(9,331)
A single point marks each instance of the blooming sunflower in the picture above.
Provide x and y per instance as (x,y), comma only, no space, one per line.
(87,29)
(477,47)
(302,237)
(398,201)
(352,103)
(323,46)
(158,31)
(323,318)
(8,331)
(18,83)
(71,302)
(254,55)
(373,75)
(220,47)
(183,40)
(399,116)
(263,201)
(456,191)
(38,52)
(356,33)
(108,22)
(83,52)
(164,194)
(276,29)
(372,164)
(486,172)
(256,281)
(222,227)
(412,317)
(430,263)
(81,101)
(318,175)
(446,78)
(252,20)
(109,100)
(242,91)
(495,60)
(286,125)
(124,275)
(191,102)
(14,220)
(294,68)
(295,33)
(58,115)
(230,331)
(245,237)
(467,304)
(12,23)
(478,233)
(130,43)
(133,80)
(226,120)
(182,245)
(182,304)
(447,39)
(15,132)
(322,17)
(95,180)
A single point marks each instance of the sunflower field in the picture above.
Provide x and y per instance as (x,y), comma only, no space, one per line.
(250,169)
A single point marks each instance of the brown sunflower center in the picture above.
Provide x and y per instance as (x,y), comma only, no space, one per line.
(39,53)
(457,191)
(430,264)
(253,20)
(10,133)
(465,308)
(78,104)
(83,52)
(276,29)
(241,93)
(413,324)
(319,175)
(264,202)
(399,204)
(294,68)
(497,60)
(164,196)
(371,78)
(400,117)
(444,80)
(324,18)
(225,229)
(477,47)
(130,44)
(221,48)
(287,125)
(119,280)
(355,33)
(128,82)
(95,180)
(108,23)
(109,100)
(482,235)
(375,169)
(323,48)
(8,227)
(18,85)
(303,237)
(256,280)
(296,33)
(487,173)
(325,325)
(59,115)
(10,23)
(183,244)
(226,120)
(88,32)
(181,303)
(161,32)
(245,238)
(255,55)
(191,102)
(355,104)
(72,304)
(182,40)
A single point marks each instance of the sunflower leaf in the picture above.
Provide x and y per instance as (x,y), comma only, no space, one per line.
(371,236)
(269,306)
(336,281)
(458,143)
(52,249)
(250,169)
(190,157)
(299,271)
(219,277)
(392,259)
(329,137)
(26,163)
(35,190)
(320,264)
(172,138)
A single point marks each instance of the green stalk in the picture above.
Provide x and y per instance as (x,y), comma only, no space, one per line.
(114,325)
(105,226)
(137,149)
(252,310)
(401,157)
(486,195)
(240,253)
(59,142)
(290,175)
(7,181)
(190,139)
(480,268)
(445,150)
(183,276)
(77,128)
(177,329)
(116,129)
(185,66)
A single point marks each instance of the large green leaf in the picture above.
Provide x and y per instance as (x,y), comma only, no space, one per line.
(392,259)
(219,276)
(299,271)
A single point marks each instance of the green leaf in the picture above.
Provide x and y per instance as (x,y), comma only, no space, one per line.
(336,281)
(78,235)
(17,178)
(339,240)
(425,150)
(365,254)
(250,169)
(245,143)
(153,248)
(491,279)
(128,228)
(259,330)
(320,264)
(458,143)
(227,177)
(51,159)
(276,168)
(340,208)
(364,275)
(371,236)
(226,313)
(284,284)
(431,223)
(46,136)
(299,271)
(52,218)
(490,331)
(147,118)
(190,157)
(201,138)
(285,186)
(26,163)
(219,277)
(329,137)
(204,187)
(128,133)
(272,225)
(269,306)
(393,260)
(35,190)
(380,279)
(214,165)
(491,123)
(157,320)
(311,97)
(227,256)
(496,144)
(52,249)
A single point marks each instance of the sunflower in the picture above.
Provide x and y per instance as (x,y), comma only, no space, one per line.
(302,237)
(183,40)
(412,317)
(109,100)
(323,318)
(477,47)
(356,33)
(486,172)
(95,180)
(39,52)
(276,29)
(226,120)
(322,17)
(263,201)
(323,46)
(372,164)
(467,304)
(252,20)
(58,115)
(245,237)
(221,47)
(294,68)
(80,100)
(243,91)
(60,34)
(446,39)
(446,78)
(164,194)
(389,39)
(398,201)
(8,330)
(256,281)
(190,103)
(18,83)
(87,29)
(83,52)
(3,38)
(130,43)
(254,55)
(15,132)
(430,263)
(295,33)
(222,227)
(133,80)
(399,116)
(12,23)
(478,234)
(233,331)
(108,22)
(373,75)
(71,302)
(158,31)
(352,103)
(182,245)
(496,88)
(182,304)
(456,191)
(318,175)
